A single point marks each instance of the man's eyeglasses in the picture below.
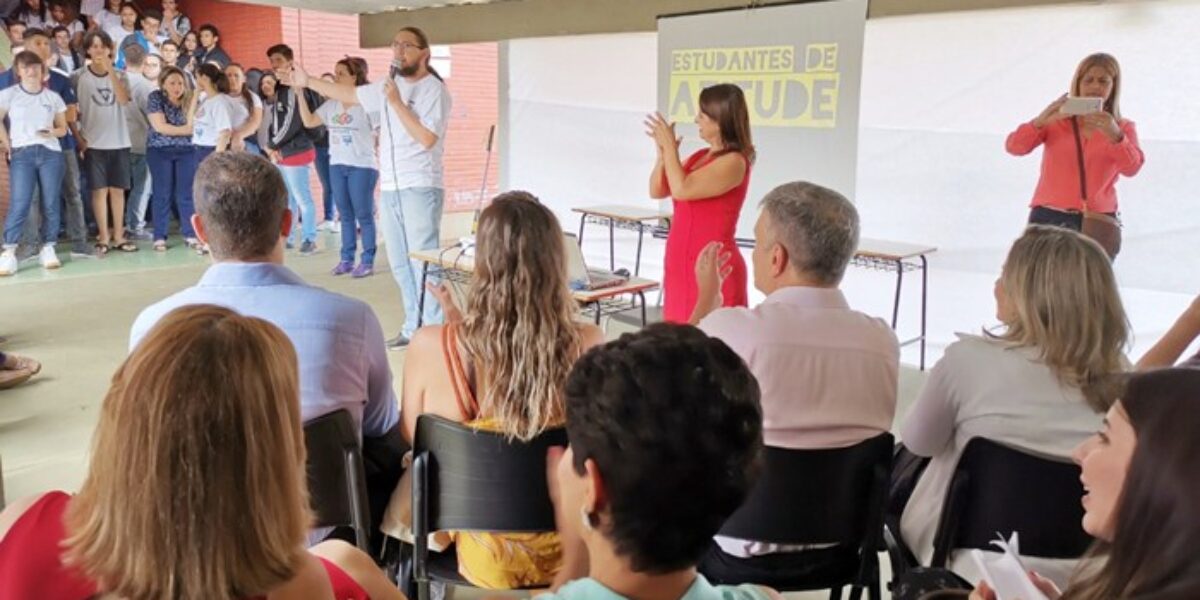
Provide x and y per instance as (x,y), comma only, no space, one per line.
(405,46)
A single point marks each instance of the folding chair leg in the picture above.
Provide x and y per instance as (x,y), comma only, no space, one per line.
(835,593)
(856,592)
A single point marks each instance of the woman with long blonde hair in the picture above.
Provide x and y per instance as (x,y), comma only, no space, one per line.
(501,365)
(196,488)
(1039,383)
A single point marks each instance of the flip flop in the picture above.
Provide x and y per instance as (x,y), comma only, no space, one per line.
(101,248)
(127,246)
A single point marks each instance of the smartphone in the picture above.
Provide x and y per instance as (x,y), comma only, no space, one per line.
(1007,576)
(1082,105)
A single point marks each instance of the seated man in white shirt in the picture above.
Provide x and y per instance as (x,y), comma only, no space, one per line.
(828,374)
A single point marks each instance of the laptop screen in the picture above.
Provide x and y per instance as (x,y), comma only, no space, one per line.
(576,268)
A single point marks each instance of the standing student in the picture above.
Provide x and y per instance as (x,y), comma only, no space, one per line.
(414,104)
(174,23)
(64,14)
(39,43)
(103,94)
(149,37)
(130,17)
(152,68)
(209,49)
(68,59)
(352,171)
(188,53)
(169,154)
(213,126)
(38,117)
(135,118)
(707,191)
(250,110)
(32,13)
(291,148)
(108,19)
(1105,143)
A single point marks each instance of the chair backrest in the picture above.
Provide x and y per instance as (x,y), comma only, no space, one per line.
(337,485)
(827,496)
(998,489)
(476,480)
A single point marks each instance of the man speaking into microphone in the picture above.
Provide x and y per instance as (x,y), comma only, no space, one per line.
(413,105)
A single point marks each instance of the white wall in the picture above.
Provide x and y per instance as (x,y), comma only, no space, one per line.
(939,94)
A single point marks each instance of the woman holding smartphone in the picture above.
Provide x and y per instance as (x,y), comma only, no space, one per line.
(1084,153)
(707,191)
(37,119)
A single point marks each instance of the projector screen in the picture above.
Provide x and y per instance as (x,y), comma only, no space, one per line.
(800,66)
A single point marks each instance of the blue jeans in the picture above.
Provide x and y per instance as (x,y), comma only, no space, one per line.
(135,204)
(354,192)
(30,164)
(411,218)
(171,173)
(299,194)
(327,193)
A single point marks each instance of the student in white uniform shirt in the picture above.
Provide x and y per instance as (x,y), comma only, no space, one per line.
(414,104)
(38,118)
(250,111)
(216,114)
(103,94)
(352,171)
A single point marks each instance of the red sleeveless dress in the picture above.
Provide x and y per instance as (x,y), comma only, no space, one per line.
(694,225)
(31,559)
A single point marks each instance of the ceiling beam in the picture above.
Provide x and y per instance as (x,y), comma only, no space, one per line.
(512,19)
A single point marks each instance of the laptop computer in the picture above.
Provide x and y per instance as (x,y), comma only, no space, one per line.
(579,276)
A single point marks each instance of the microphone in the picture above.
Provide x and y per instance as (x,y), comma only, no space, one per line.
(483,186)
(394,69)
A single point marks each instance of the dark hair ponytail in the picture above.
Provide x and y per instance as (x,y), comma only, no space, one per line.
(215,75)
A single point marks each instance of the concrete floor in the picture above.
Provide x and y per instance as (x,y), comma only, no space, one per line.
(76,321)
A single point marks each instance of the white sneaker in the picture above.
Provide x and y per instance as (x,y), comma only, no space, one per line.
(8,262)
(49,258)
(336,227)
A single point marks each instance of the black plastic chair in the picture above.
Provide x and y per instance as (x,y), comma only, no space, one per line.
(828,496)
(470,480)
(1002,489)
(337,485)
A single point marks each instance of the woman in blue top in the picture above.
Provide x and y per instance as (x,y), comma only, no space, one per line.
(352,170)
(169,150)
(646,483)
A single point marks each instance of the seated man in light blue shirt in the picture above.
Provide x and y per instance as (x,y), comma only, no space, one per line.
(241,212)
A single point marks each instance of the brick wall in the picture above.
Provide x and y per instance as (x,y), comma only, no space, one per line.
(321,39)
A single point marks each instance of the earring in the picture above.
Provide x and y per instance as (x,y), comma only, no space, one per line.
(585,517)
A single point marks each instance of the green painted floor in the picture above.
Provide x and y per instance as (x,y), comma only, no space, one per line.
(76,321)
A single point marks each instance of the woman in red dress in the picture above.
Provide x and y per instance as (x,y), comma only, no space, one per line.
(707,192)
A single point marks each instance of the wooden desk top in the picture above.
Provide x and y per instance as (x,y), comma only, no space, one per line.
(889,250)
(453,258)
(624,213)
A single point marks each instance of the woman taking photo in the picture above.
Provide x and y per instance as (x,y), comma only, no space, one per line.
(37,118)
(219,394)
(352,170)
(1139,476)
(250,110)
(169,154)
(707,192)
(466,371)
(1082,155)
(1037,384)
(187,56)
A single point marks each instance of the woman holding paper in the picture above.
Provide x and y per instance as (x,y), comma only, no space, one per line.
(1139,476)
(1087,146)
(707,191)
(1037,383)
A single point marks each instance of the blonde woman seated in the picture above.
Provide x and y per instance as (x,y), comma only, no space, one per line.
(500,365)
(1034,385)
(196,488)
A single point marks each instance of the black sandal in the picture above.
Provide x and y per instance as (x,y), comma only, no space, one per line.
(101,248)
(127,246)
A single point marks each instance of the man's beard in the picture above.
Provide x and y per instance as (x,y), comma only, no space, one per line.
(410,70)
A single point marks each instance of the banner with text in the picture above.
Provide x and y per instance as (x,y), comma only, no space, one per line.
(800,68)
